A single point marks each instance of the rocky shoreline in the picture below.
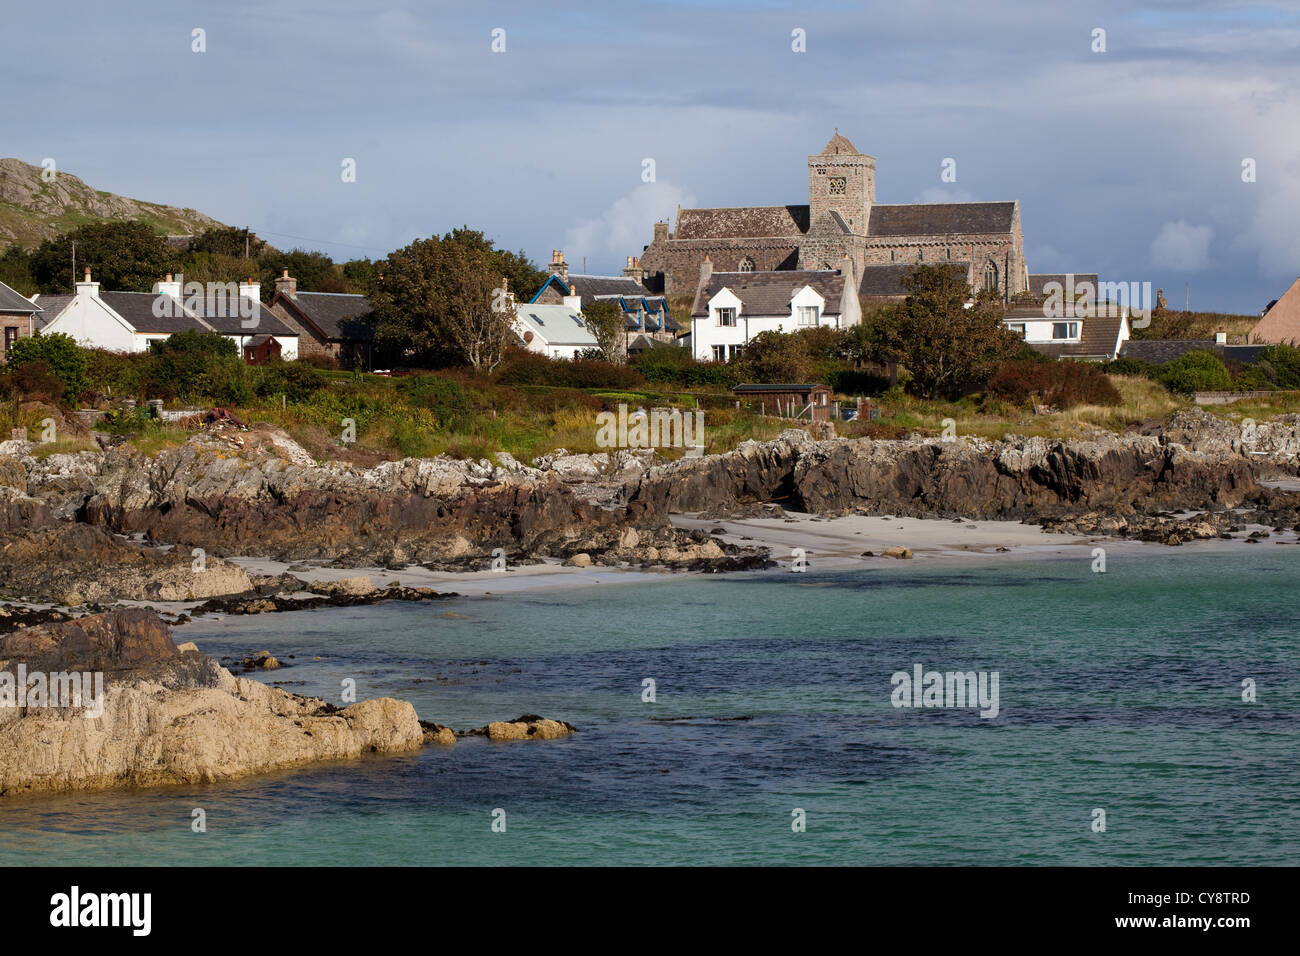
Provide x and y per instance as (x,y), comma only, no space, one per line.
(164,714)
(93,528)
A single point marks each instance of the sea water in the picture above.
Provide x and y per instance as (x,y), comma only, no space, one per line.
(1119,691)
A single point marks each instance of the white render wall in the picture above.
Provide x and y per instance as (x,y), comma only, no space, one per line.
(706,332)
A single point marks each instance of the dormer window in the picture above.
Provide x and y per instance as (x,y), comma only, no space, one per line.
(809,314)
(746,264)
(727,317)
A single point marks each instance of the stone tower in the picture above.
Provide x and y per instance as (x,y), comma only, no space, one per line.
(842,180)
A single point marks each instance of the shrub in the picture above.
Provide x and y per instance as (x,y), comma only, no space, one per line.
(33,380)
(297,381)
(449,402)
(318,359)
(62,356)
(531,368)
(1195,371)
(199,365)
(1060,384)
(1130,366)
(1285,363)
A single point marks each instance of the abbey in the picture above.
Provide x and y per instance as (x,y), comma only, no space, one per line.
(842,219)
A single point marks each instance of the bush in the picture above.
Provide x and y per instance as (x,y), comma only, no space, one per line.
(531,368)
(1195,371)
(448,401)
(1284,360)
(1131,367)
(318,359)
(674,365)
(296,381)
(62,356)
(197,365)
(33,380)
(1059,384)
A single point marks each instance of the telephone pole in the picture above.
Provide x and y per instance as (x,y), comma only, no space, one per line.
(74,265)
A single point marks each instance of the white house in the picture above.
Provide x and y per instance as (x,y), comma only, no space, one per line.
(129,321)
(554,330)
(732,307)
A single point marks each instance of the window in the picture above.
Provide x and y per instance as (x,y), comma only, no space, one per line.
(1065,330)
(838,185)
(727,317)
(746,264)
(11,336)
(991,277)
(736,352)
(808,314)
(719,353)
(1017,327)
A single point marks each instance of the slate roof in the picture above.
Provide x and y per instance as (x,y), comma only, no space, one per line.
(888,279)
(137,309)
(741,222)
(267,322)
(1038,281)
(51,306)
(939,219)
(1159,351)
(592,287)
(556,324)
(11,301)
(337,314)
(769,293)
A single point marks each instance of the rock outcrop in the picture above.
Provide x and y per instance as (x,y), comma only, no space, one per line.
(169,717)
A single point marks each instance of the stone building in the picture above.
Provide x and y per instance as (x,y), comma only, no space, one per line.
(17,318)
(842,218)
(326,323)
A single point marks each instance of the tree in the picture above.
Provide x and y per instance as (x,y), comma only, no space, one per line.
(605,321)
(124,256)
(60,354)
(1195,371)
(16,270)
(227,241)
(315,271)
(441,300)
(948,348)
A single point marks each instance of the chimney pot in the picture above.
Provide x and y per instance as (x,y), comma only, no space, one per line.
(87,273)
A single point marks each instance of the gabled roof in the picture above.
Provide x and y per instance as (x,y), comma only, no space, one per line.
(267,323)
(838,146)
(137,308)
(769,293)
(742,222)
(1099,337)
(52,307)
(888,279)
(338,315)
(940,219)
(11,301)
(555,324)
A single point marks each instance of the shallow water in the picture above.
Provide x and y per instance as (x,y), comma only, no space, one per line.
(1119,691)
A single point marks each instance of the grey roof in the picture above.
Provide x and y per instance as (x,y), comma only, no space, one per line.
(138,309)
(941,219)
(52,306)
(337,314)
(888,279)
(267,322)
(741,221)
(1159,351)
(769,293)
(1037,281)
(590,288)
(557,324)
(11,301)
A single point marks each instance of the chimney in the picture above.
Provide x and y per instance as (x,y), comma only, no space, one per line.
(287,285)
(171,286)
(252,290)
(661,231)
(87,287)
(573,300)
(558,266)
(706,269)
(1221,337)
(632,269)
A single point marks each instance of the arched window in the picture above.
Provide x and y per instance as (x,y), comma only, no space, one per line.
(991,277)
(746,264)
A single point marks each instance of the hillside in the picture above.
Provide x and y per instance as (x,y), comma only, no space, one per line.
(32,210)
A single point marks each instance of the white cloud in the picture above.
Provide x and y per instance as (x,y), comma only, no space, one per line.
(1272,230)
(627,225)
(1182,247)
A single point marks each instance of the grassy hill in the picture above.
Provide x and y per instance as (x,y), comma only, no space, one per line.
(32,209)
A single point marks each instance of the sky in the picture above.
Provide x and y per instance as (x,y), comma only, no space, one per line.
(1127,161)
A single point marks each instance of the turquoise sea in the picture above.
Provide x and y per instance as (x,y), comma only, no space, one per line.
(1119,691)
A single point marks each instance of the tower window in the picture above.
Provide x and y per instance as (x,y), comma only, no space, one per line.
(746,264)
(838,185)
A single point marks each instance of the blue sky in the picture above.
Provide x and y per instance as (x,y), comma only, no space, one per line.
(1127,162)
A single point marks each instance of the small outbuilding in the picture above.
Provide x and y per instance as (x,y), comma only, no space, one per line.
(261,349)
(788,400)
